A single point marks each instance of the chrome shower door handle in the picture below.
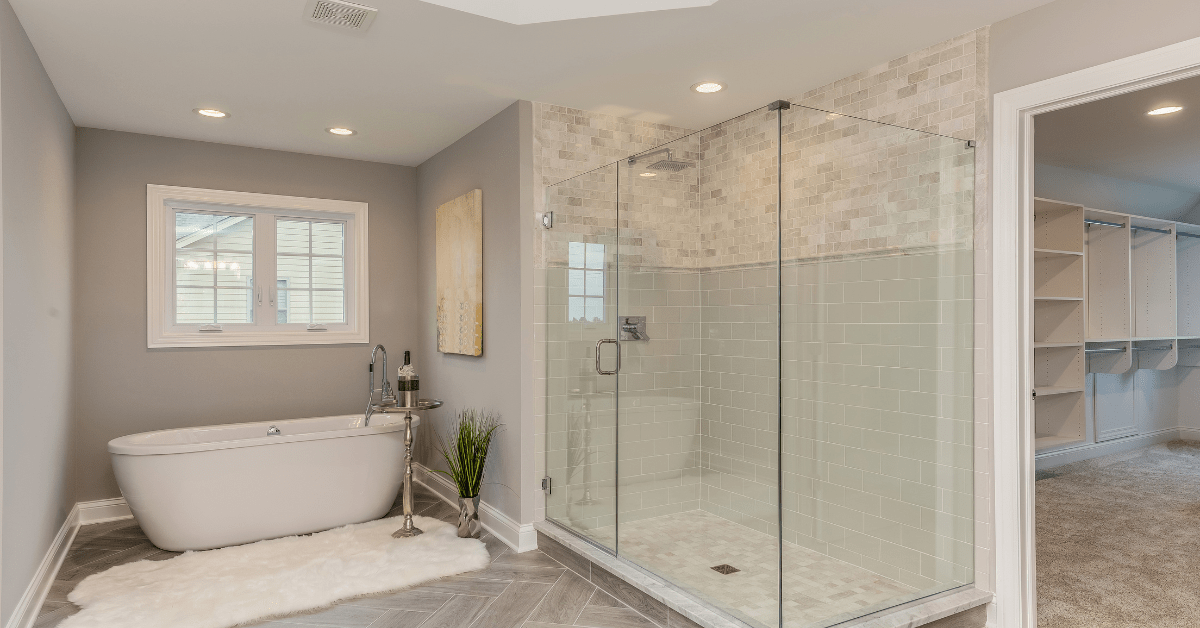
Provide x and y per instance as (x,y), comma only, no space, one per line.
(600,343)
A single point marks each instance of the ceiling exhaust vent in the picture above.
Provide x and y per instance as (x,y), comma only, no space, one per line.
(340,13)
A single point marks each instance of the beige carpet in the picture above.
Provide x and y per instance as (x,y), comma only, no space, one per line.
(1118,540)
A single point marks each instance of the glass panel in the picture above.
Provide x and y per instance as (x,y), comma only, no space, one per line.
(877,365)
(578,259)
(698,400)
(310,271)
(214,268)
(790,436)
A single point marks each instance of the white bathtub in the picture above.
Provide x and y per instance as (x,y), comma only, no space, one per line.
(204,487)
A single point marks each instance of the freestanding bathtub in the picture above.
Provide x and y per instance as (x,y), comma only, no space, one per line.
(205,487)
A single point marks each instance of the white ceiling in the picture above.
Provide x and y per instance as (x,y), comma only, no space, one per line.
(1114,137)
(425,75)
(535,11)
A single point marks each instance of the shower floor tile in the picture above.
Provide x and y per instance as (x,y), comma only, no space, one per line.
(684,547)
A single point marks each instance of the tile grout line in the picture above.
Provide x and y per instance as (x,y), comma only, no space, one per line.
(544,596)
(586,604)
(489,605)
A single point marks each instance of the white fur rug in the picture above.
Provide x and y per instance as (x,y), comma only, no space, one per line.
(238,585)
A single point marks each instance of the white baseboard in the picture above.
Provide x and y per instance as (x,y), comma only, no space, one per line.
(103,510)
(520,537)
(82,513)
(1115,446)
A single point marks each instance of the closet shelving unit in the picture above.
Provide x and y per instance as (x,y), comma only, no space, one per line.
(1058,323)
(1110,294)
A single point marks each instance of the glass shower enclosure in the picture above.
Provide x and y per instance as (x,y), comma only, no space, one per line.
(758,359)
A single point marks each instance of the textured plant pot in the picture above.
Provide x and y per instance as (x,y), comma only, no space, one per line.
(468,517)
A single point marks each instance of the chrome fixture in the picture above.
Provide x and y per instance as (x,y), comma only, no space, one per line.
(601,343)
(273,431)
(387,398)
(633,328)
(668,164)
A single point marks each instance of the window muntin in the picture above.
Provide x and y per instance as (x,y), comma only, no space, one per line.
(310,271)
(214,268)
(585,282)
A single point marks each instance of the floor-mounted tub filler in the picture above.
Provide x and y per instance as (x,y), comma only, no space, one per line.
(205,487)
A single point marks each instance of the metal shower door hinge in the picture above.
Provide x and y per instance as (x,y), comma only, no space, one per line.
(546,485)
(970,143)
(548,220)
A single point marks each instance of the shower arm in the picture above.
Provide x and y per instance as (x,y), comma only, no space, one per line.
(636,158)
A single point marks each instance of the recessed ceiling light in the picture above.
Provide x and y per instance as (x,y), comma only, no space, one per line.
(1162,111)
(708,87)
(338,130)
(647,174)
(211,113)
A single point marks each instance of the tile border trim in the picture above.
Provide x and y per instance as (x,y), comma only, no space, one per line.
(519,537)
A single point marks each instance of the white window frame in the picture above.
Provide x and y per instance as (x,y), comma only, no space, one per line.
(161,204)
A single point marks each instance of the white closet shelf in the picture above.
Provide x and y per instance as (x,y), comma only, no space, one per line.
(1054,442)
(1054,345)
(1057,298)
(1040,253)
(1046,391)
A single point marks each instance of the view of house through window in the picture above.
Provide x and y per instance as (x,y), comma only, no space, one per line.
(585,282)
(310,271)
(214,268)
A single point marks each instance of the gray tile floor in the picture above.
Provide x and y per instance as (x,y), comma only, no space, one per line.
(529,590)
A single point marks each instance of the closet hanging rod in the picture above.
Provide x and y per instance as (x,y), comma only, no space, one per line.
(1092,221)
(1161,348)
(1137,228)
(1187,235)
(1106,350)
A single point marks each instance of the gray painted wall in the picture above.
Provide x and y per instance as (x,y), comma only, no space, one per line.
(1120,195)
(496,158)
(38,138)
(1069,35)
(124,388)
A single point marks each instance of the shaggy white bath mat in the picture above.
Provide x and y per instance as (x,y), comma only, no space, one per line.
(237,585)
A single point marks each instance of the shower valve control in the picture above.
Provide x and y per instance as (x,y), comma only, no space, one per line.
(633,328)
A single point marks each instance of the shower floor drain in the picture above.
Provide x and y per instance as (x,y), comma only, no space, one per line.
(725,570)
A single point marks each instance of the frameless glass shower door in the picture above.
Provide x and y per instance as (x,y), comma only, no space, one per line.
(758,358)
(578,322)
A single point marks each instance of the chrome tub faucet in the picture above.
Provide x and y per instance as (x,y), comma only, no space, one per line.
(387,398)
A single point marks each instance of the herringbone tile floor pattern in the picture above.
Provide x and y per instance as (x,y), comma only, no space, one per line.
(529,590)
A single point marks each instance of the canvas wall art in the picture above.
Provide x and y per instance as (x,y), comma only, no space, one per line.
(459,245)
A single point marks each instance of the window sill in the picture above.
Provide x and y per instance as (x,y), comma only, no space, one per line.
(255,339)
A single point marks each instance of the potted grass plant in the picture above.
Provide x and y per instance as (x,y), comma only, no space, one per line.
(465,450)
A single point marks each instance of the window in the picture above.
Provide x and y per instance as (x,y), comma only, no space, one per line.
(585,282)
(236,269)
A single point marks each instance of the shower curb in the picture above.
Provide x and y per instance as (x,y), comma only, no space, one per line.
(659,601)
(671,607)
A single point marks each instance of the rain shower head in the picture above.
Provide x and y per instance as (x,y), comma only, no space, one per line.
(667,165)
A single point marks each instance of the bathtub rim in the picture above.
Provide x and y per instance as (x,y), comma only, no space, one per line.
(125,445)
